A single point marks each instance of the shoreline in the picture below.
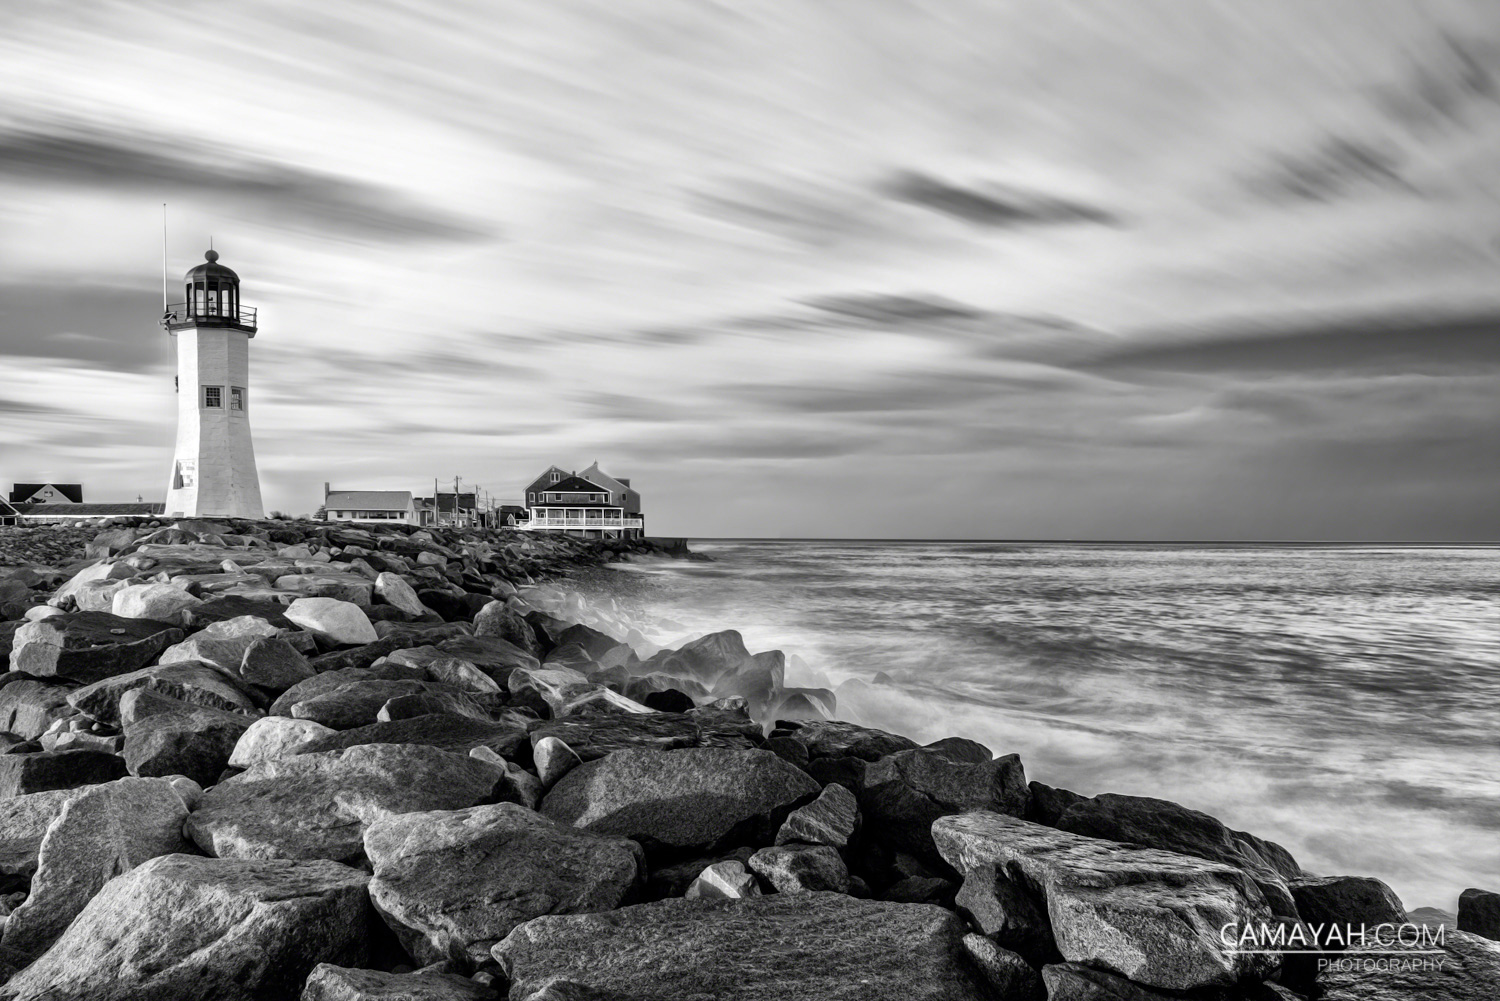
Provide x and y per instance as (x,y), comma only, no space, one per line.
(249,675)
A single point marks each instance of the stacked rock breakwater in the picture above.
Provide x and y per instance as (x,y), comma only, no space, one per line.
(269,760)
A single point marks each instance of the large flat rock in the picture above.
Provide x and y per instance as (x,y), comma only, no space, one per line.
(447,731)
(692,797)
(23,824)
(308,806)
(792,947)
(1172,827)
(89,646)
(1151,916)
(457,881)
(184,927)
(593,737)
(191,681)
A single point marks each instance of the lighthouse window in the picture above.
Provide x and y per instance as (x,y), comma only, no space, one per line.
(236,398)
(213,397)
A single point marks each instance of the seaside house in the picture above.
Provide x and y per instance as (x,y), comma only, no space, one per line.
(46,493)
(8,514)
(591,504)
(383,506)
(451,509)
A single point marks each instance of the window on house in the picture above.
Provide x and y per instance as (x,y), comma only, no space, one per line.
(213,397)
(556,477)
(236,398)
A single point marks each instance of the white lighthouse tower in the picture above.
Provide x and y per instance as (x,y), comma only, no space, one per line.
(213,473)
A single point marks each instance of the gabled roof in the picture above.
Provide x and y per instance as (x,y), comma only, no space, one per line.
(574,484)
(368,500)
(24,491)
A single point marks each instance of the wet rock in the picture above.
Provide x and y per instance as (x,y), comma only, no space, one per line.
(1338,904)
(88,646)
(28,708)
(339,983)
(161,602)
(1479,913)
(493,655)
(272,737)
(1010,975)
(837,739)
(103,831)
(181,926)
(593,737)
(1466,968)
(831,819)
(461,675)
(823,946)
(341,623)
(692,797)
(39,771)
(456,882)
(1048,804)
(727,880)
(317,805)
(961,749)
(165,736)
(1151,916)
(801,868)
(1159,823)
(273,665)
(550,686)
(194,683)
(901,794)
(460,734)
(502,622)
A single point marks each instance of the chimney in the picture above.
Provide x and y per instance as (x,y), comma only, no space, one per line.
(326,491)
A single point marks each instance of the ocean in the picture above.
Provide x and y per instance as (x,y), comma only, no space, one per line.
(1343,701)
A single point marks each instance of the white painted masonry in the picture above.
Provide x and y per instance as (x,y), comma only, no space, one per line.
(213,471)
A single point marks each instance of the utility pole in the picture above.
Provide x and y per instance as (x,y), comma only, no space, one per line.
(436,514)
(455,500)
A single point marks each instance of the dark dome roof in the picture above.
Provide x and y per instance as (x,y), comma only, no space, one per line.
(211,269)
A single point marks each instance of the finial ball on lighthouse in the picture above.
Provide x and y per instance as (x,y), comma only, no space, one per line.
(213,472)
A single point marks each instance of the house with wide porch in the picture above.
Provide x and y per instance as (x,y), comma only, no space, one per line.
(573,504)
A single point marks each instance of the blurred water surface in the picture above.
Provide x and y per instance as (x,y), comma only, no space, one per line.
(1342,701)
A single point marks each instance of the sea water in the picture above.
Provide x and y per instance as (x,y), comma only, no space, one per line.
(1344,702)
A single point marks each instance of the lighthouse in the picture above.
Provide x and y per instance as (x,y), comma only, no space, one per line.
(213,472)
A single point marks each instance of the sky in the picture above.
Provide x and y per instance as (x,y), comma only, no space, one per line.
(1127,269)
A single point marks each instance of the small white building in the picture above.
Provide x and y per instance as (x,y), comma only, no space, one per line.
(382,506)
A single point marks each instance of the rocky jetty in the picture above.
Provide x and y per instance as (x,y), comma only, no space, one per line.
(294,760)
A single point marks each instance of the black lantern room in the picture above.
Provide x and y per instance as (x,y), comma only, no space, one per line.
(213,299)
